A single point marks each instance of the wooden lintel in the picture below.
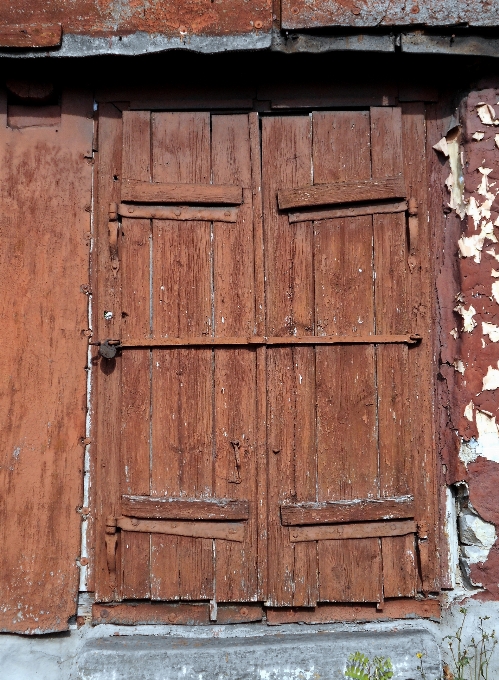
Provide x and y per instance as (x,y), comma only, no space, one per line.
(332,532)
(409,339)
(342,192)
(156,192)
(30,36)
(180,213)
(148,507)
(336,512)
(227,531)
(352,211)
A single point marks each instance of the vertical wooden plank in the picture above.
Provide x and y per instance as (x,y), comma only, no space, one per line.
(134,247)
(44,235)
(235,369)
(286,149)
(422,315)
(261,355)
(394,414)
(106,423)
(346,387)
(182,381)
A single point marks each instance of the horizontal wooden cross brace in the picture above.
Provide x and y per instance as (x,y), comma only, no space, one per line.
(409,339)
(357,510)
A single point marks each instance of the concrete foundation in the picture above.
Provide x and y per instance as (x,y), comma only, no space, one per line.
(239,652)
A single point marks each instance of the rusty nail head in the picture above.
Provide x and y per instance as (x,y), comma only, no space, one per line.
(83,561)
(415,9)
(87,333)
(227,212)
(85,511)
(182,29)
(258,24)
(104,613)
(294,10)
(177,212)
(244,611)
(356,10)
(131,208)
(172,618)
(135,522)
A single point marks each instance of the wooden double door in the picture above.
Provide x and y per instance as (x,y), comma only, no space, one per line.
(263,407)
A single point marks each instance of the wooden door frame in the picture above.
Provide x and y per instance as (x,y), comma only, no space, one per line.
(106,383)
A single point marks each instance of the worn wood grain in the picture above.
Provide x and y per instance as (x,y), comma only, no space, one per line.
(44,237)
(355,211)
(134,247)
(181,213)
(422,311)
(392,304)
(352,531)
(346,391)
(152,613)
(182,379)
(106,415)
(328,613)
(177,192)
(235,368)
(348,511)
(286,161)
(34,35)
(342,192)
(152,507)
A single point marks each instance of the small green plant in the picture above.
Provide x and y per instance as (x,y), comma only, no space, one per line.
(471,661)
(359,667)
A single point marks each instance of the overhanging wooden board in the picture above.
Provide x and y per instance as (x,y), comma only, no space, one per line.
(151,507)
(335,213)
(348,511)
(342,192)
(178,192)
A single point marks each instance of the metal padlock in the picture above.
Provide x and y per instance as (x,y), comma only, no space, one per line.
(108,349)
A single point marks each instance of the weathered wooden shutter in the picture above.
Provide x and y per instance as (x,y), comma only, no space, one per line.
(188,436)
(263,386)
(343,459)
(45,189)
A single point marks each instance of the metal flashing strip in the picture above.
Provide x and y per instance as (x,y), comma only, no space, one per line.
(146,43)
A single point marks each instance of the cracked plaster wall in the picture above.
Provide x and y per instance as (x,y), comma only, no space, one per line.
(470,338)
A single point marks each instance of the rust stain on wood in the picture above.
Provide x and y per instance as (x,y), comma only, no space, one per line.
(30,35)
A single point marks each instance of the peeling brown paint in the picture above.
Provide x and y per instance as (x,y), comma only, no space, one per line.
(469,341)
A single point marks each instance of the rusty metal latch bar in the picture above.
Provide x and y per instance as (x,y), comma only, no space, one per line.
(109,348)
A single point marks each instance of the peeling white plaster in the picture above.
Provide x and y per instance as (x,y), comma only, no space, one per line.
(473,530)
(492,252)
(469,322)
(488,437)
(495,291)
(496,139)
(455,333)
(494,273)
(468,451)
(442,147)
(459,366)
(449,147)
(478,136)
(491,330)
(487,114)
(468,411)
(491,380)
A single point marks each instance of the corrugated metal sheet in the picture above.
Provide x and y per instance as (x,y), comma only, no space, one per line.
(301,14)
